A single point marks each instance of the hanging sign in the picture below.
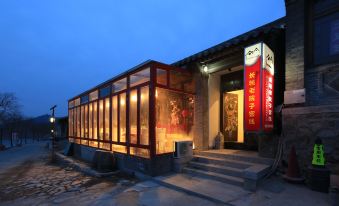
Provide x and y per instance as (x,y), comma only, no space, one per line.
(259,88)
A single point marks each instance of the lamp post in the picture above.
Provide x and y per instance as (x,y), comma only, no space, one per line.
(52,121)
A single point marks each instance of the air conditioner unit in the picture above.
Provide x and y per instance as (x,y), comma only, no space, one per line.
(183,149)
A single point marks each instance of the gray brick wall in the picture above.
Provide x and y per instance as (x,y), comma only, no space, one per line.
(294,44)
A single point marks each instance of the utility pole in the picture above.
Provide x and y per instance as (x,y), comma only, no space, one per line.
(52,120)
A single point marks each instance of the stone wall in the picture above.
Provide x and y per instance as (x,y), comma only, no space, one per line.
(322,84)
(295,18)
(301,126)
(200,137)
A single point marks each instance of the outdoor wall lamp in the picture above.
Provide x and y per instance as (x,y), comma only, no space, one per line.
(205,68)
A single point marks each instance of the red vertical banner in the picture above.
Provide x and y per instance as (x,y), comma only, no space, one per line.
(267,98)
(267,89)
(259,88)
(252,96)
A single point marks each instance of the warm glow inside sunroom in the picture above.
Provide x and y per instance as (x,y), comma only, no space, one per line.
(141,112)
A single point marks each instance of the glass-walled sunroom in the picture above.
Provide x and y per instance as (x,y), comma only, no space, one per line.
(139,113)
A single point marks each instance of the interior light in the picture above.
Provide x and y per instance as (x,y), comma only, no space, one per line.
(134,98)
(156,93)
(122,102)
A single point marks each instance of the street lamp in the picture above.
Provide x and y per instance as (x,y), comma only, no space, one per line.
(52,120)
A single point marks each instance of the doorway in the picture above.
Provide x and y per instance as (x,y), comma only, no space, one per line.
(233,116)
(232,110)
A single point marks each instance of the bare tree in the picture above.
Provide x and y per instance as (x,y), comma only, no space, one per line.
(10,113)
(9,107)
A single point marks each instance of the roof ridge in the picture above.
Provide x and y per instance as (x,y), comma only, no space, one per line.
(270,25)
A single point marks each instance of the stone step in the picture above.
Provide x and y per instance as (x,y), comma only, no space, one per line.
(231,171)
(215,176)
(221,161)
(250,157)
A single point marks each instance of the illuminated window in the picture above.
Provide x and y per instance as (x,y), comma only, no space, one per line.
(101,119)
(105,145)
(115,118)
(174,119)
(144,115)
(140,77)
(162,77)
(139,152)
(107,123)
(95,120)
(119,148)
(122,120)
(181,81)
(90,117)
(86,121)
(82,122)
(78,122)
(133,115)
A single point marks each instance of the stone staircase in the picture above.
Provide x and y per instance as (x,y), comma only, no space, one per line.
(241,168)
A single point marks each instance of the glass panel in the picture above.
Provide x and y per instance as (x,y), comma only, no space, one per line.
(106,146)
(93,95)
(140,77)
(325,39)
(84,99)
(133,116)
(122,119)
(174,119)
(77,121)
(86,120)
(77,102)
(119,148)
(84,142)
(90,116)
(95,120)
(82,121)
(104,92)
(144,115)
(181,81)
(141,152)
(119,85)
(101,119)
(162,77)
(115,118)
(70,123)
(107,123)
(71,104)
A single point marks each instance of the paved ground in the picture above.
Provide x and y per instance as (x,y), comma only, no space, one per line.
(26,178)
(271,192)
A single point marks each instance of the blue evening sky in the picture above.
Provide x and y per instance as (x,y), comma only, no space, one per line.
(52,50)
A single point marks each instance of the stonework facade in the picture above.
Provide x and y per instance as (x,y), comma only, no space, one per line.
(318,115)
(302,125)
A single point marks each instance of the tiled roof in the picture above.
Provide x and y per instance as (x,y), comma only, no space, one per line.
(267,28)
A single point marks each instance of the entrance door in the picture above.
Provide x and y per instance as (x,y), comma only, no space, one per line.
(233,116)
(232,111)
